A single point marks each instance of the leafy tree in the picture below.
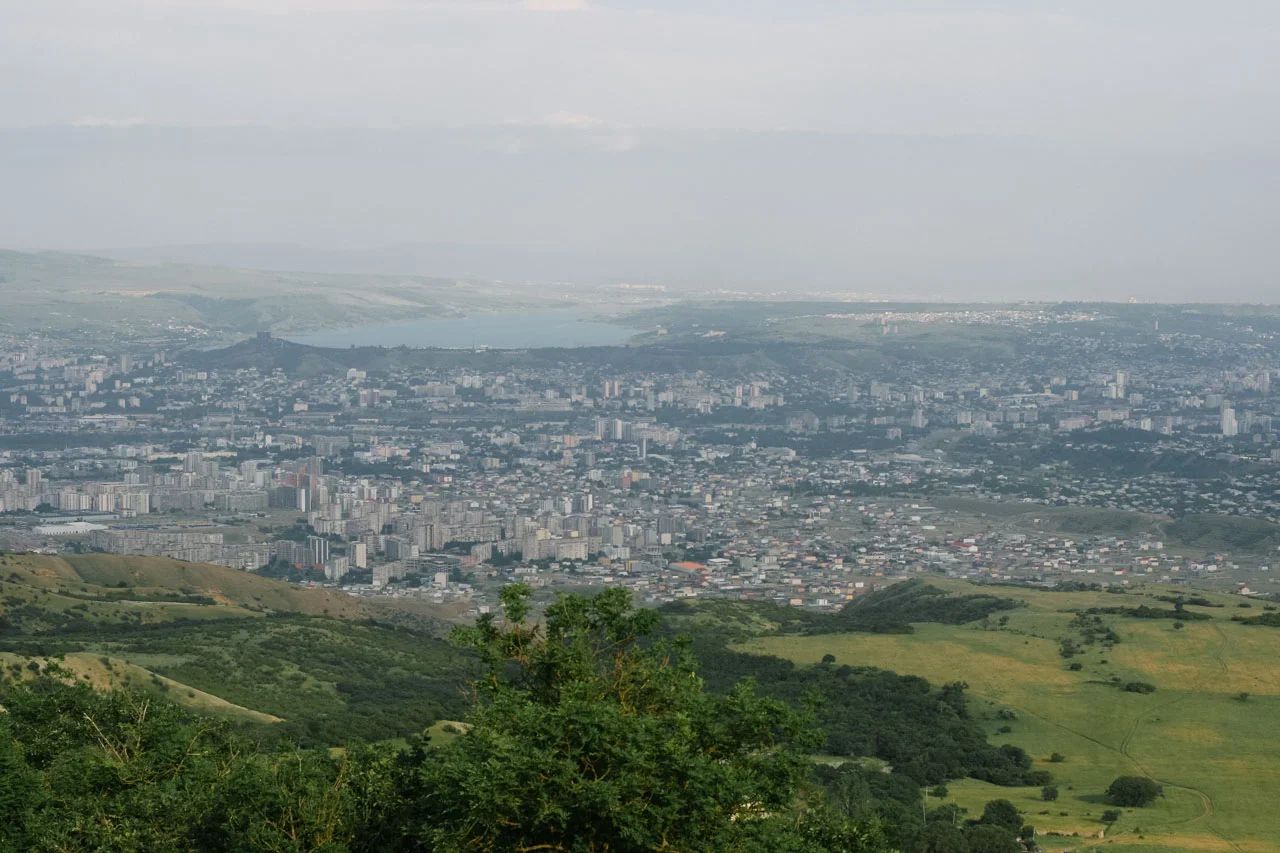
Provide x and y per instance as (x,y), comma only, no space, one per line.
(864,794)
(990,838)
(1110,816)
(20,794)
(1049,793)
(585,737)
(86,771)
(1133,791)
(949,813)
(586,733)
(1002,813)
(941,837)
(1139,687)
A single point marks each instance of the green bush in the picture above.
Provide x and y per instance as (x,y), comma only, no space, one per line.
(1133,791)
(1138,687)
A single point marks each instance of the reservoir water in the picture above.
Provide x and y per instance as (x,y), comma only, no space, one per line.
(558,328)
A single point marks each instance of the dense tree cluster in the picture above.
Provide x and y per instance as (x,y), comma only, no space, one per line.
(582,737)
(81,770)
(893,609)
(924,732)
(589,730)
(1144,611)
(1133,791)
(870,794)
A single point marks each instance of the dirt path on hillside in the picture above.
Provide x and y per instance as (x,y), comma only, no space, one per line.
(1206,802)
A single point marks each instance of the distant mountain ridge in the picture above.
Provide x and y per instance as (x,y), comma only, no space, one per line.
(61,291)
(455,260)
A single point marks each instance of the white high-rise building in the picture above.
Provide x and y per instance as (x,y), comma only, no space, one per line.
(318,550)
(1229,425)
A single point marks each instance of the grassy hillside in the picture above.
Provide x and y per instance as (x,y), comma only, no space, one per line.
(57,291)
(105,673)
(43,593)
(1211,746)
(1224,533)
(1046,672)
(322,666)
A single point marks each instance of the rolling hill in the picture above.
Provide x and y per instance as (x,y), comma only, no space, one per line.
(319,665)
(1049,678)
(57,291)
(44,592)
(1179,686)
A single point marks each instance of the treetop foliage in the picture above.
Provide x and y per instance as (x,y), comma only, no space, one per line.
(1133,791)
(589,738)
(892,610)
(590,729)
(584,735)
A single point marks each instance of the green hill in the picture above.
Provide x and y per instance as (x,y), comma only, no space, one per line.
(42,593)
(57,291)
(107,673)
(322,665)
(996,686)
(1052,677)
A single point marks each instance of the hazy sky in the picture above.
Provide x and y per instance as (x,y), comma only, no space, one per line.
(1068,147)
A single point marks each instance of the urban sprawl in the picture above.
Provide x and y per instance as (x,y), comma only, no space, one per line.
(738,480)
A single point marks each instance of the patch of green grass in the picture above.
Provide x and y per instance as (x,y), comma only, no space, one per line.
(330,681)
(234,644)
(108,673)
(1216,755)
(444,732)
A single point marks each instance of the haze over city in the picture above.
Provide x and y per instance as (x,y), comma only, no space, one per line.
(977,150)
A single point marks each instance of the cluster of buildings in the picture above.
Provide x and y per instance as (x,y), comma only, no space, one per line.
(735,477)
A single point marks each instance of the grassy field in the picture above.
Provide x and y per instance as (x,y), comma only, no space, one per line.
(319,665)
(41,592)
(105,673)
(1216,754)
(444,732)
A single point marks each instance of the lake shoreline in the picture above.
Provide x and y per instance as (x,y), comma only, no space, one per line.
(559,327)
